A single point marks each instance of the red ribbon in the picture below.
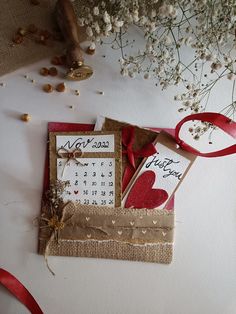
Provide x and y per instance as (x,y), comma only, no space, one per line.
(19,291)
(128,138)
(216,119)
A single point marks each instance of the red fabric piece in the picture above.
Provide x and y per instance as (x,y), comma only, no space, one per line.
(142,195)
(19,291)
(128,137)
(217,119)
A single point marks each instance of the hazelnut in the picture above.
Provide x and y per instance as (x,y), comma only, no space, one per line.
(61,87)
(18,39)
(25,117)
(57,60)
(44,72)
(21,31)
(90,51)
(53,71)
(47,88)
(32,29)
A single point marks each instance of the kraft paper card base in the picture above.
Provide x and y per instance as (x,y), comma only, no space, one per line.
(128,233)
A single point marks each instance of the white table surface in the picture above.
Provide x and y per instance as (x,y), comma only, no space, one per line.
(202,276)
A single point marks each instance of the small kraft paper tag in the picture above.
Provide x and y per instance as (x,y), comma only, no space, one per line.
(159,175)
(90,162)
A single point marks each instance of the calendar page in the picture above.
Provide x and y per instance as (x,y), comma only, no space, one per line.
(91,164)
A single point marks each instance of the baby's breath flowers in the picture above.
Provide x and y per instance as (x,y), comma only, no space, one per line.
(54,195)
(206,28)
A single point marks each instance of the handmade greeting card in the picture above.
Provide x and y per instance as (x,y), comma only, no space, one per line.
(75,229)
(158,176)
(90,163)
(142,227)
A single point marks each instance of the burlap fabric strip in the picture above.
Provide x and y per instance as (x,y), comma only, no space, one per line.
(15,14)
(115,233)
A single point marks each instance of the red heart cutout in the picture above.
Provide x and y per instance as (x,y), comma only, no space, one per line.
(76,192)
(142,195)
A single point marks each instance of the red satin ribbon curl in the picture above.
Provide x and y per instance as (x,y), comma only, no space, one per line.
(217,119)
(19,291)
(128,138)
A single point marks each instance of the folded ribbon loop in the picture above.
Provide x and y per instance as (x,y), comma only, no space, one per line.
(128,137)
(128,141)
(216,119)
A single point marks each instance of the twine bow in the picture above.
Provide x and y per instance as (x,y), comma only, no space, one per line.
(56,224)
(128,138)
(66,154)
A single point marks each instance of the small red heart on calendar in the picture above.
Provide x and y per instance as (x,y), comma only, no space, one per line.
(76,192)
(142,195)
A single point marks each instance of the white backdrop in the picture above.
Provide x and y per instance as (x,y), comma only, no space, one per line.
(202,277)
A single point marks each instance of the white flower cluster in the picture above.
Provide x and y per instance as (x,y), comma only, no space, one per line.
(205,26)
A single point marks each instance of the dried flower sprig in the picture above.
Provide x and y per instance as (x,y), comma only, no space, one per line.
(54,195)
(207,28)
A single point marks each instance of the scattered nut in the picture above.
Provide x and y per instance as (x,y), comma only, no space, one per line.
(77,93)
(44,71)
(26,76)
(3,84)
(25,117)
(101,93)
(90,51)
(47,88)
(53,71)
(61,87)
(32,29)
(71,107)
(57,60)
(21,31)
(32,81)
(18,39)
